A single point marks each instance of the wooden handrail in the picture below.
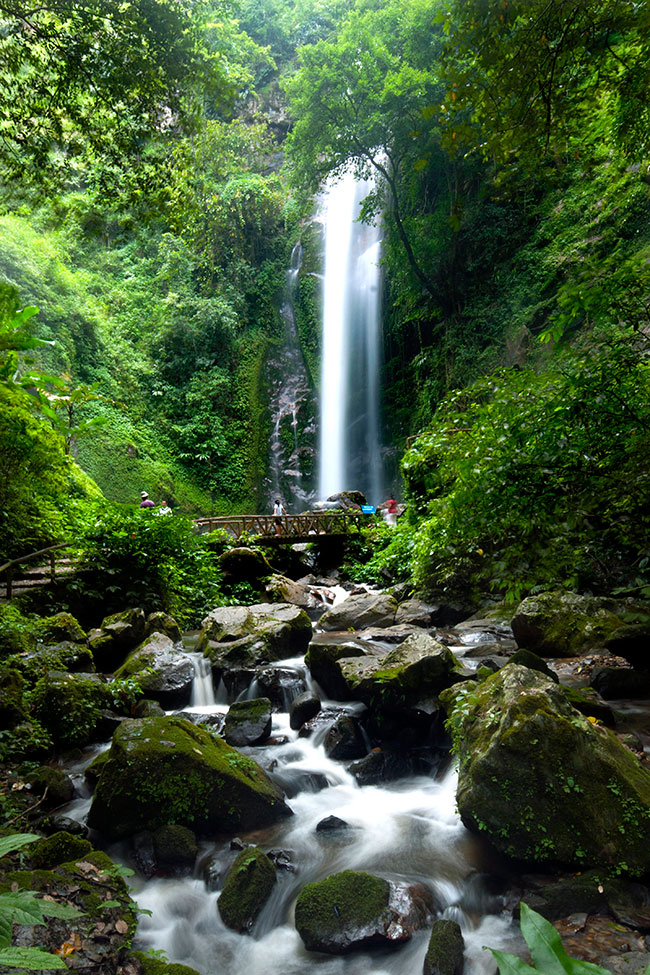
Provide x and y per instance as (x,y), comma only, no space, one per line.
(291,527)
(8,566)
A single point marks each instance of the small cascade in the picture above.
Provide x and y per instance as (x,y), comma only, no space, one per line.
(350,435)
(293,410)
(203,695)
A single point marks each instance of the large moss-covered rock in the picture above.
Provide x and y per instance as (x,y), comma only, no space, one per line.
(59,848)
(69,705)
(164,673)
(542,781)
(418,668)
(564,624)
(248,722)
(445,950)
(244,564)
(60,628)
(68,656)
(361,611)
(246,890)
(54,787)
(167,770)
(268,631)
(117,635)
(280,589)
(160,622)
(354,910)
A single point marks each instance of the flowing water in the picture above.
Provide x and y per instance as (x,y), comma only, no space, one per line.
(350,441)
(404,830)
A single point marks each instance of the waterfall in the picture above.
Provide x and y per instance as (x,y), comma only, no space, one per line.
(292,409)
(350,441)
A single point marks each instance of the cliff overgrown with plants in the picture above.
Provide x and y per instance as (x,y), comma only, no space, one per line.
(511,141)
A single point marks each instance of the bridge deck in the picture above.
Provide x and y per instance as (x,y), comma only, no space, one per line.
(287,529)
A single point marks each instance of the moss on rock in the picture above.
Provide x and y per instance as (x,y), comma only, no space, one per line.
(246,890)
(341,910)
(69,705)
(154,966)
(541,780)
(445,950)
(248,722)
(167,770)
(56,849)
(59,628)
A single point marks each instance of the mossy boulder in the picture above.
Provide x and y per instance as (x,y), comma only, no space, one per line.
(526,658)
(175,848)
(60,628)
(59,848)
(12,710)
(248,722)
(353,910)
(322,659)
(418,668)
(280,589)
(69,706)
(244,564)
(55,783)
(544,783)
(167,770)
(565,624)
(445,950)
(154,966)
(65,656)
(276,630)
(163,623)
(117,635)
(93,885)
(361,611)
(246,890)
(303,708)
(164,673)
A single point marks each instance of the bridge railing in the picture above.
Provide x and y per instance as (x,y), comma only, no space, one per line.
(290,526)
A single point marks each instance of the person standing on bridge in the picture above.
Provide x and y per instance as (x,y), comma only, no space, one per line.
(278,510)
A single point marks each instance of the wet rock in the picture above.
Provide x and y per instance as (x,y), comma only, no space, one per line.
(293,781)
(147,708)
(57,848)
(144,855)
(477,631)
(66,656)
(56,783)
(117,635)
(614,683)
(107,723)
(632,642)
(348,500)
(416,612)
(380,766)
(588,701)
(248,887)
(389,634)
(526,658)
(344,740)
(163,623)
(163,672)
(445,950)
(248,722)
(166,770)
(361,611)
(331,823)
(244,565)
(175,849)
(352,910)
(302,709)
(282,860)
(543,782)
(268,632)
(281,686)
(322,660)
(68,705)
(279,589)
(58,823)
(564,624)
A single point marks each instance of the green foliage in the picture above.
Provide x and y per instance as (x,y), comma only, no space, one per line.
(546,949)
(529,479)
(157,562)
(23,907)
(382,554)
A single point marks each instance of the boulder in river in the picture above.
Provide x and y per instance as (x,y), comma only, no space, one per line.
(167,770)
(544,783)
(160,622)
(247,888)
(117,635)
(268,631)
(248,722)
(360,611)
(164,673)
(280,589)
(565,624)
(303,708)
(353,910)
(445,950)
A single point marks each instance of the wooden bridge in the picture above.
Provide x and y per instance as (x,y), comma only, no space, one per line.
(284,530)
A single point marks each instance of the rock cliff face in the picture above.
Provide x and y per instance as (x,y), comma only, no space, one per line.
(542,781)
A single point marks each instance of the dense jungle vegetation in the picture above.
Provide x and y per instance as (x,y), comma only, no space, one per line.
(158,165)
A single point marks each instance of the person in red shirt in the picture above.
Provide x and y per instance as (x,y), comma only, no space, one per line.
(391,511)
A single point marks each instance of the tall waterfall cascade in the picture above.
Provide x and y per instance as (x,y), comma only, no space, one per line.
(350,456)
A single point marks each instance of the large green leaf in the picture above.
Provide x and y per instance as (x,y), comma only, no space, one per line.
(5,931)
(14,842)
(33,959)
(511,965)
